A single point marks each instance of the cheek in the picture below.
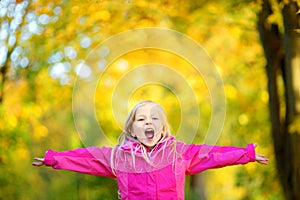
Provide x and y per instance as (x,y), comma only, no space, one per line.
(136,128)
(137,125)
(158,124)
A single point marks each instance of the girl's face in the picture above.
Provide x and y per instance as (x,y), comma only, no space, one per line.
(147,125)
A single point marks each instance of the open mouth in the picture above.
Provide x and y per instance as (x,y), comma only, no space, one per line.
(149,133)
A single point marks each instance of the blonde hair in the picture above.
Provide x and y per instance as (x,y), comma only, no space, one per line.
(126,136)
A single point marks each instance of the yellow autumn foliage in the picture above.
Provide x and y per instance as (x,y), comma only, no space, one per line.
(37,111)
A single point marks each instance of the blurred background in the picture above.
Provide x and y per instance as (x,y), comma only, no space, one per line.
(254,45)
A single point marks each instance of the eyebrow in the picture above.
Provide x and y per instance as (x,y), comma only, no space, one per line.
(143,115)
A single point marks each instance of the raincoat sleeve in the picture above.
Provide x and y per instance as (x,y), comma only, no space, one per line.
(203,157)
(92,160)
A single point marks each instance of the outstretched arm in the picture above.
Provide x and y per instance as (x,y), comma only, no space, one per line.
(203,157)
(91,160)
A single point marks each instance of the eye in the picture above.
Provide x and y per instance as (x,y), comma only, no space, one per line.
(140,119)
(155,118)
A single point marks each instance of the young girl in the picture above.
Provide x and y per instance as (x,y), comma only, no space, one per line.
(148,162)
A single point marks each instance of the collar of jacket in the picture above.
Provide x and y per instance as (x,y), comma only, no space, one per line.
(136,147)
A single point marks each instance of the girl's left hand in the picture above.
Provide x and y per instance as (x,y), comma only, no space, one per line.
(261,158)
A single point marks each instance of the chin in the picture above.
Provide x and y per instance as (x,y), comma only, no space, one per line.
(149,146)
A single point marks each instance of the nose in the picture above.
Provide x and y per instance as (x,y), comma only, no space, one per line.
(148,121)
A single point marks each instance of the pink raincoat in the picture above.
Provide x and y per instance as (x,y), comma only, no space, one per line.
(162,177)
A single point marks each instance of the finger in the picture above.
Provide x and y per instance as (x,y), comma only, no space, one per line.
(265,162)
(37,163)
(262,159)
(39,159)
(260,156)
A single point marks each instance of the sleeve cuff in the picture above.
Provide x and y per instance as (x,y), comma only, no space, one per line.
(49,158)
(251,152)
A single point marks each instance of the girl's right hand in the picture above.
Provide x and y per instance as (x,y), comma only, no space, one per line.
(38,162)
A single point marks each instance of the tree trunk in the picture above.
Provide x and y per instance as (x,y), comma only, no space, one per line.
(282,52)
(3,72)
